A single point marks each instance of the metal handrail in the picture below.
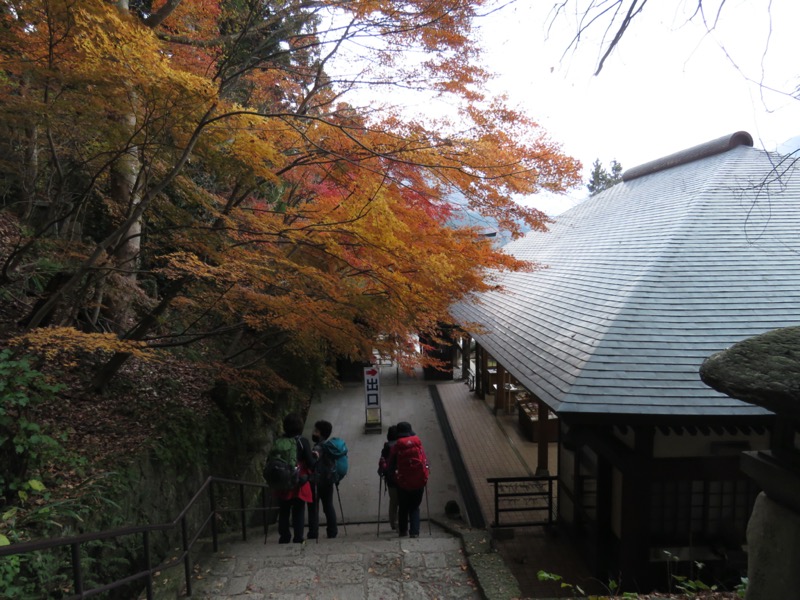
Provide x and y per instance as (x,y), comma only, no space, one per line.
(500,495)
(187,542)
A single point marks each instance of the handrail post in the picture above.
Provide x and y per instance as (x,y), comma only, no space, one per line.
(496,504)
(187,559)
(244,516)
(149,583)
(212,499)
(264,510)
(77,573)
(550,502)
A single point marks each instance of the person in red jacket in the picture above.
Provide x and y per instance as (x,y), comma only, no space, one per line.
(408,463)
(293,502)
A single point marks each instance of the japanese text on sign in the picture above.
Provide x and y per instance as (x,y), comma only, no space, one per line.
(372,390)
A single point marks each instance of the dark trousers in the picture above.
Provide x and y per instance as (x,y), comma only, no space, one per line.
(392,490)
(297,509)
(323,495)
(408,502)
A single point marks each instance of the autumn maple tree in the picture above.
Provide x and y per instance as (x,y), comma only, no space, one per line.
(218,173)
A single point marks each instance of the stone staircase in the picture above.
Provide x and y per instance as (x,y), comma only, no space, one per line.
(444,564)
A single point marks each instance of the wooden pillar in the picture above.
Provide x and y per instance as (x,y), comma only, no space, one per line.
(543,447)
(499,393)
(478,370)
(484,373)
(466,342)
(636,508)
(602,560)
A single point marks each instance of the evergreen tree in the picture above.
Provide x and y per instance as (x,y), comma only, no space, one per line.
(601,179)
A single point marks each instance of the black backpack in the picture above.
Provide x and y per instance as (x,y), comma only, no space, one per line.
(332,464)
(282,472)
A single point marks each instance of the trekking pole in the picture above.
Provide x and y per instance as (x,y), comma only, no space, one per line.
(428,506)
(380,479)
(316,509)
(341,512)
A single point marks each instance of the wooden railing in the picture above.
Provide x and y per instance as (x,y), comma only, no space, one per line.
(145,574)
(530,495)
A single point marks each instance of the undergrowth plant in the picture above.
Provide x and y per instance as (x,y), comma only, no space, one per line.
(741,587)
(30,575)
(576,590)
(30,458)
(24,447)
(687,584)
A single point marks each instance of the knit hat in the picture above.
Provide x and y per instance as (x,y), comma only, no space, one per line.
(404,429)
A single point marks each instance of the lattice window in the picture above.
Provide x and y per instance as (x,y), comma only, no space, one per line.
(700,510)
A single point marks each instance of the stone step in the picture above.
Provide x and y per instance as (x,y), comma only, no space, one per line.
(359,565)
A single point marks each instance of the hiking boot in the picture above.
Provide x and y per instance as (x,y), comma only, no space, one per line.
(414,535)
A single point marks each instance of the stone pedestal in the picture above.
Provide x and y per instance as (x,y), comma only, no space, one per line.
(773,546)
(765,370)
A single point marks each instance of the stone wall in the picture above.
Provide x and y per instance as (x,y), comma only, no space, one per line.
(155,485)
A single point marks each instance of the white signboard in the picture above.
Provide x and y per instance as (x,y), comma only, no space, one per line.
(372,397)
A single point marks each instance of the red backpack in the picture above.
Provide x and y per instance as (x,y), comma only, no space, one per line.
(411,464)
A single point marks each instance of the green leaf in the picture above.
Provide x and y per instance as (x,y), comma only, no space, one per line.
(4,540)
(36,485)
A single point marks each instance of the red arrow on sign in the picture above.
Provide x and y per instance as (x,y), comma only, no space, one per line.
(372,372)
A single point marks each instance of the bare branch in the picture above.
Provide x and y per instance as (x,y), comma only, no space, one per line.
(162,14)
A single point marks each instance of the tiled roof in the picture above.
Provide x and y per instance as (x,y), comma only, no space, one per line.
(645,280)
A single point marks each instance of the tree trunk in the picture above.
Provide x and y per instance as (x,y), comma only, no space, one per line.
(37,316)
(125,192)
(110,368)
(30,170)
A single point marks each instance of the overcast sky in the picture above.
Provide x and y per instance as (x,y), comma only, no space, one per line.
(667,87)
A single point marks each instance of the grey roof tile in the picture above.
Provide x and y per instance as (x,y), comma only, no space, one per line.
(644,281)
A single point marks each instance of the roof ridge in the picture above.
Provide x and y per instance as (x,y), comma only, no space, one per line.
(717,146)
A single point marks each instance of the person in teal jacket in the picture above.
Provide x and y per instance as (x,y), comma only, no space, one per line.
(329,454)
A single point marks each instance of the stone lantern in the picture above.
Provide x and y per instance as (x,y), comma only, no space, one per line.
(765,370)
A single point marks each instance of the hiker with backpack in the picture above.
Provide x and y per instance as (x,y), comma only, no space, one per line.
(330,454)
(410,469)
(289,465)
(386,473)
